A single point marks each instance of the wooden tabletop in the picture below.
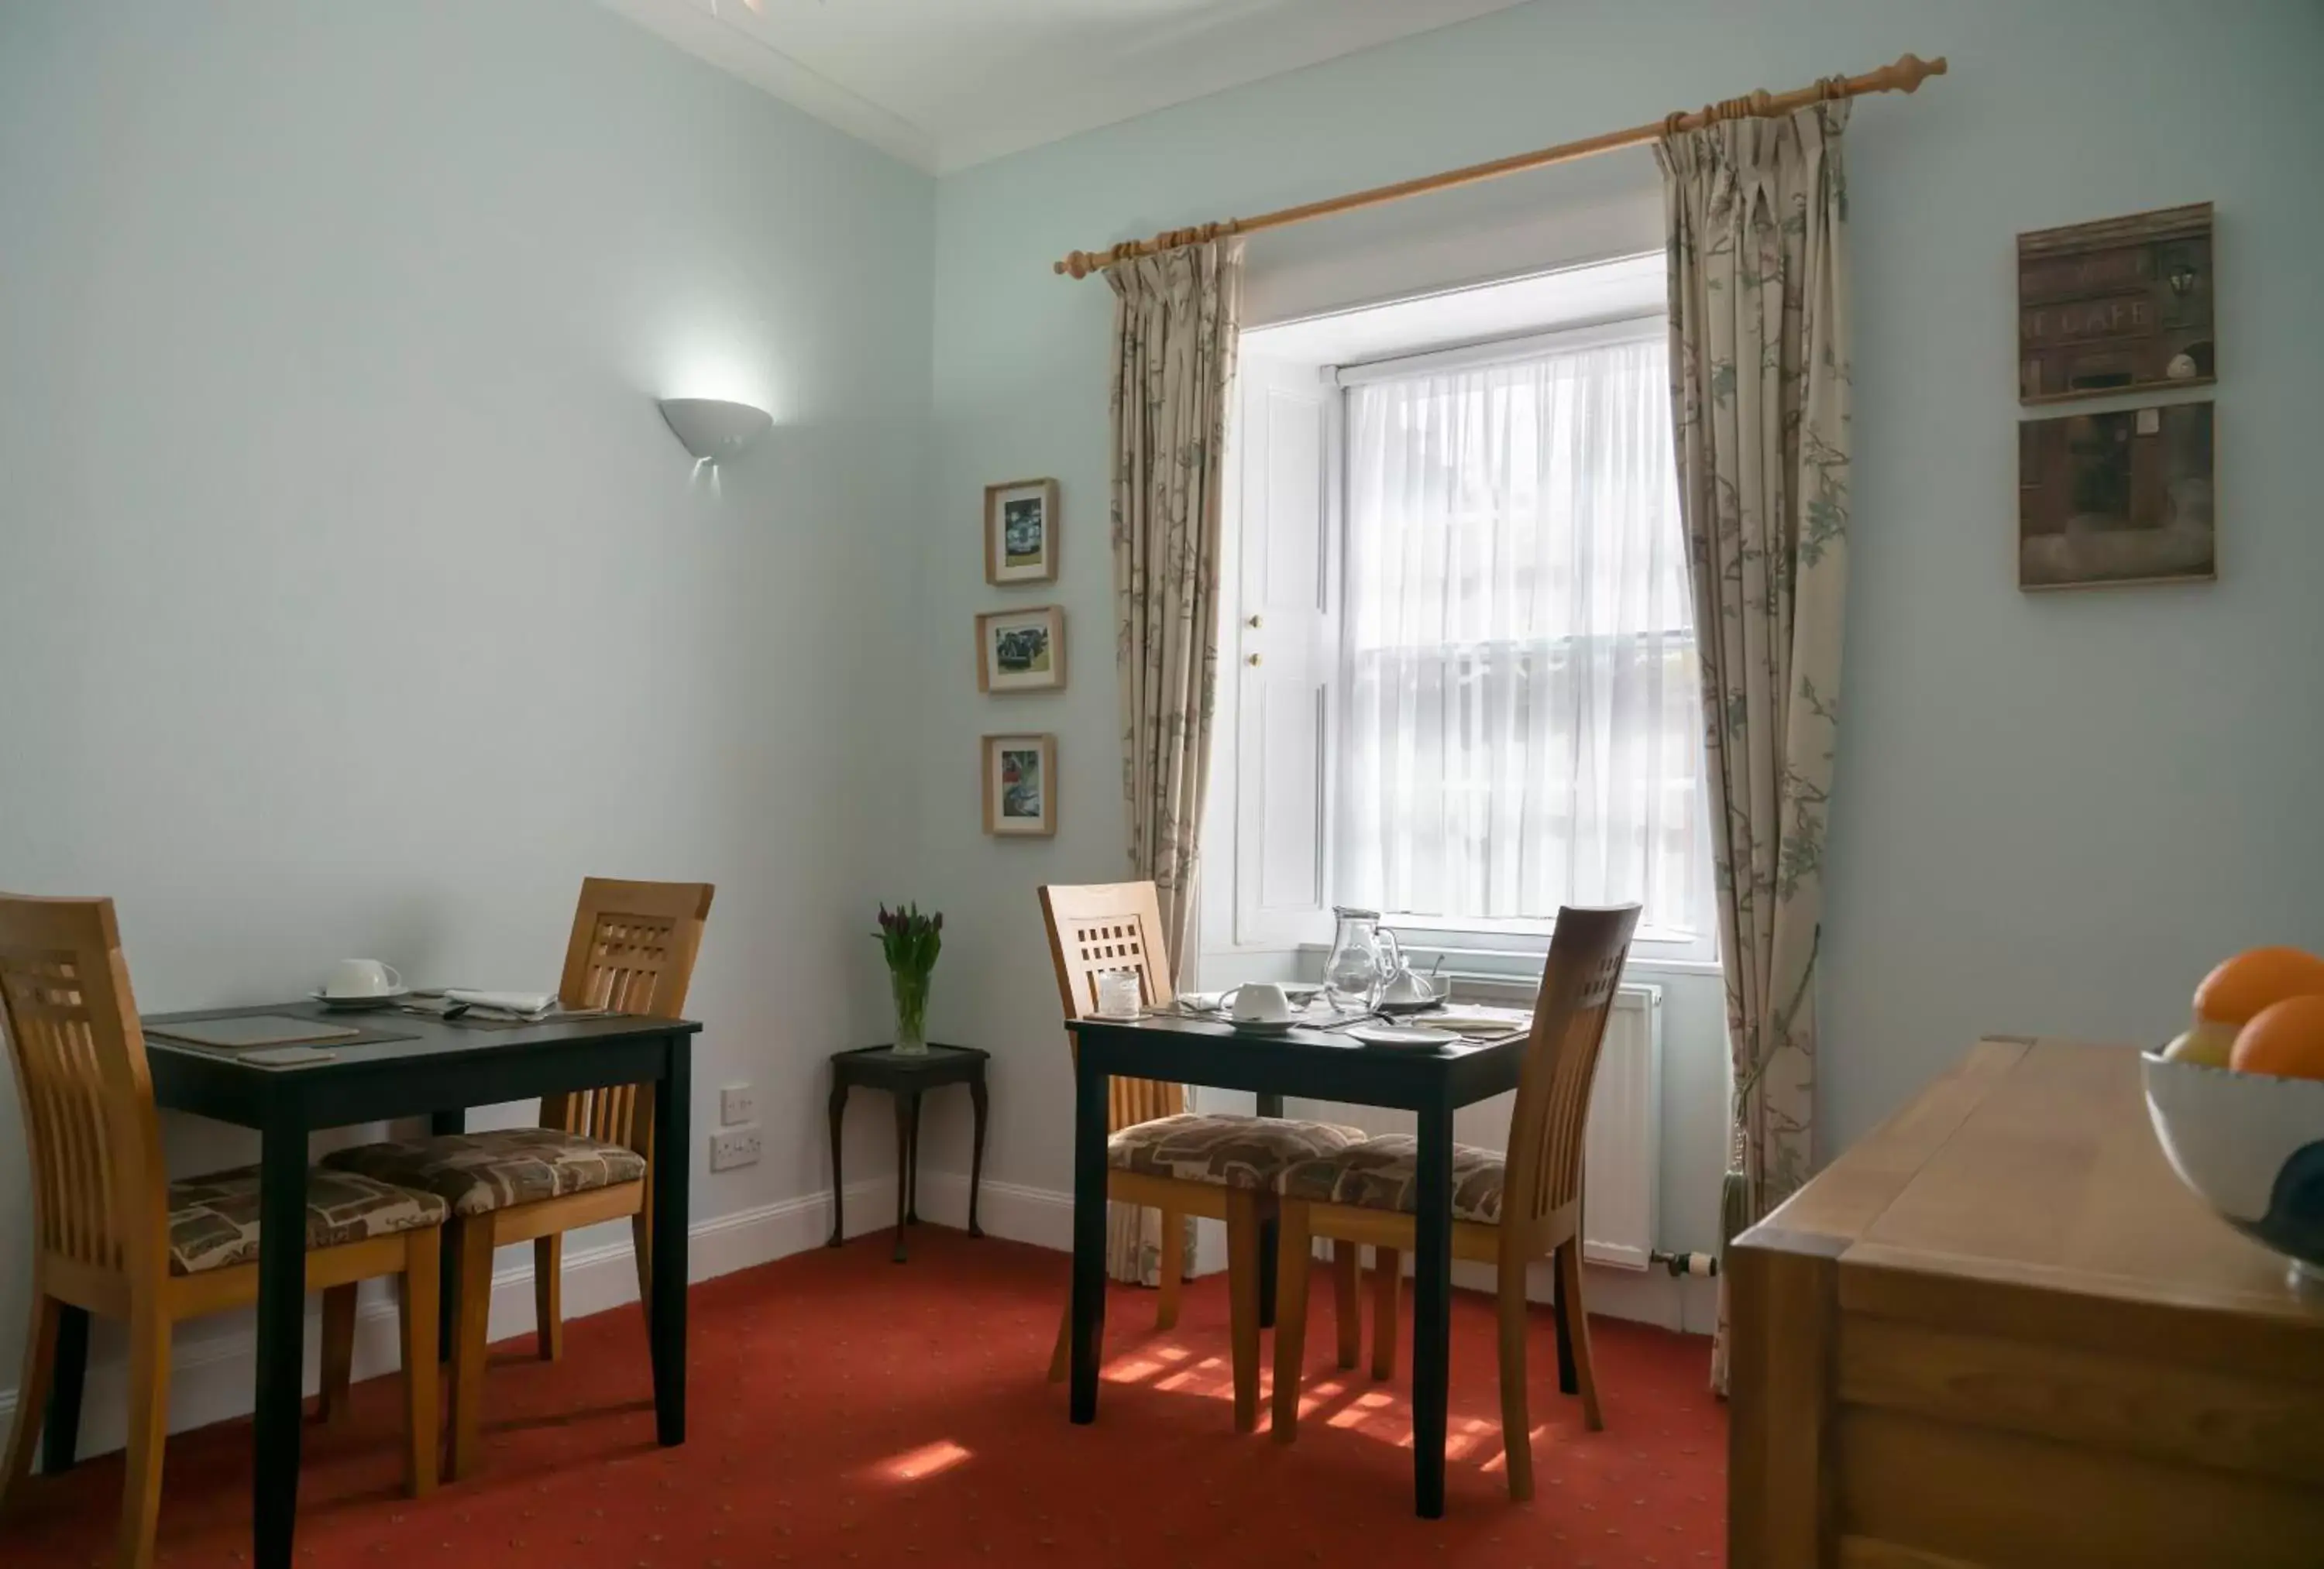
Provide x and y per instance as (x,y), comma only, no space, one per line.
(391,1035)
(2034,1166)
(405,1064)
(2000,1333)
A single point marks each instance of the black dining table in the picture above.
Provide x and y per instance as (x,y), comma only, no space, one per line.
(434,1067)
(1315,1064)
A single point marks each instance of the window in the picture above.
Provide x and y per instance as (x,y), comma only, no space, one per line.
(1520,719)
(1465,686)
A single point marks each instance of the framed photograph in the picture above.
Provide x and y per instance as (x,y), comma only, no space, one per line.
(1021,650)
(2122,306)
(1021,786)
(2119,496)
(1020,532)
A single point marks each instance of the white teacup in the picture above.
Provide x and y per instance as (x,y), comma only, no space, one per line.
(361,978)
(1260,1003)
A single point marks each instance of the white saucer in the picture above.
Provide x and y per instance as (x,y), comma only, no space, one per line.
(357,1004)
(1264,1026)
(1403,1037)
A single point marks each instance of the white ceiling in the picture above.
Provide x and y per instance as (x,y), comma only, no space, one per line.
(943,84)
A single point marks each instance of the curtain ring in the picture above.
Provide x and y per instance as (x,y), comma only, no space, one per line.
(1675,123)
(1831,90)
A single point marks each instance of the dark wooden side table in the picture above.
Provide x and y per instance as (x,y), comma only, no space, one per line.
(906,1078)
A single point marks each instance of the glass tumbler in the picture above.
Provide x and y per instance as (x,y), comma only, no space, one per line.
(1117,993)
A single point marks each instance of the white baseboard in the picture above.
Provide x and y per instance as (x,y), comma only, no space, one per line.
(1038,1215)
(211,1376)
(211,1373)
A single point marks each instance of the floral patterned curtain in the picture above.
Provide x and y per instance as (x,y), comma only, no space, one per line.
(1177,317)
(1758,218)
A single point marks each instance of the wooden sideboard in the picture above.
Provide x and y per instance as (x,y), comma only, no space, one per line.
(2000,1333)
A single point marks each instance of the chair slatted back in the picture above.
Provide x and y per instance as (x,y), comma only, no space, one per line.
(1550,1120)
(1095,928)
(99,1187)
(632,951)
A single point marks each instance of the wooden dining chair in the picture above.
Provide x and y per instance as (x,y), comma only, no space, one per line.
(1507,1210)
(114,1236)
(591,1160)
(1159,1155)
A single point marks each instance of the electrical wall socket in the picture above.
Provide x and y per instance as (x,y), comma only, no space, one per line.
(734,1147)
(737,1104)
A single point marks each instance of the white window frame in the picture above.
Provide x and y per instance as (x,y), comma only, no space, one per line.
(1622,329)
(1477,945)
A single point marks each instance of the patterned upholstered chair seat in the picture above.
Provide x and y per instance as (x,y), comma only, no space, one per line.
(1234,1151)
(1383,1173)
(476,1173)
(214,1219)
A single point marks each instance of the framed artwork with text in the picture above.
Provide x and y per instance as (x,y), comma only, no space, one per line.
(2121,306)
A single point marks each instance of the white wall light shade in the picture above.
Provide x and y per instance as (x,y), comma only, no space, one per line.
(714,429)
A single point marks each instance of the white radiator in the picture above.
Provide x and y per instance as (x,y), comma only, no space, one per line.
(1623,1154)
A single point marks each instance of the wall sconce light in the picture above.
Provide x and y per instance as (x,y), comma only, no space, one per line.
(714,429)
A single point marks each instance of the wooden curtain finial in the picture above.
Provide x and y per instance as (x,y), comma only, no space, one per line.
(1911,71)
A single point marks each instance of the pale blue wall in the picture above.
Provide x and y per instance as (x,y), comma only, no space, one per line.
(2053,811)
(355,598)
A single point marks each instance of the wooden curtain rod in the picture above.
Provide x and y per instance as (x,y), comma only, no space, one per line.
(1905,77)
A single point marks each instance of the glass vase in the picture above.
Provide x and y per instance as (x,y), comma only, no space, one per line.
(911,992)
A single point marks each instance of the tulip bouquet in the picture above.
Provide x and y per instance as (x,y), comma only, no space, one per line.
(911,941)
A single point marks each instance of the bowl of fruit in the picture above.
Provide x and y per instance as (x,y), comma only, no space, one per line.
(2238,1102)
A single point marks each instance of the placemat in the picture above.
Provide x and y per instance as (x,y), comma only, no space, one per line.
(433,1008)
(330,1036)
(288,1056)
(247,1030)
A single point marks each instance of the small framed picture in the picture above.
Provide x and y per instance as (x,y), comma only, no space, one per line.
(2124,305)
(2116,496)
(1021,650)
(1020,532)
(1021,786)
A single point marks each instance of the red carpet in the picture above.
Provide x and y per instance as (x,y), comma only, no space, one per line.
(851,1411)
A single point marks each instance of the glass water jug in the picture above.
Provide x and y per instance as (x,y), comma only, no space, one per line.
(1364,956)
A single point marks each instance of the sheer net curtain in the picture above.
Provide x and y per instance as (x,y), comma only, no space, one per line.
(1523,719)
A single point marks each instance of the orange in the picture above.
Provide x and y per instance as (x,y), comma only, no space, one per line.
(2286,1040)
(2256,979)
